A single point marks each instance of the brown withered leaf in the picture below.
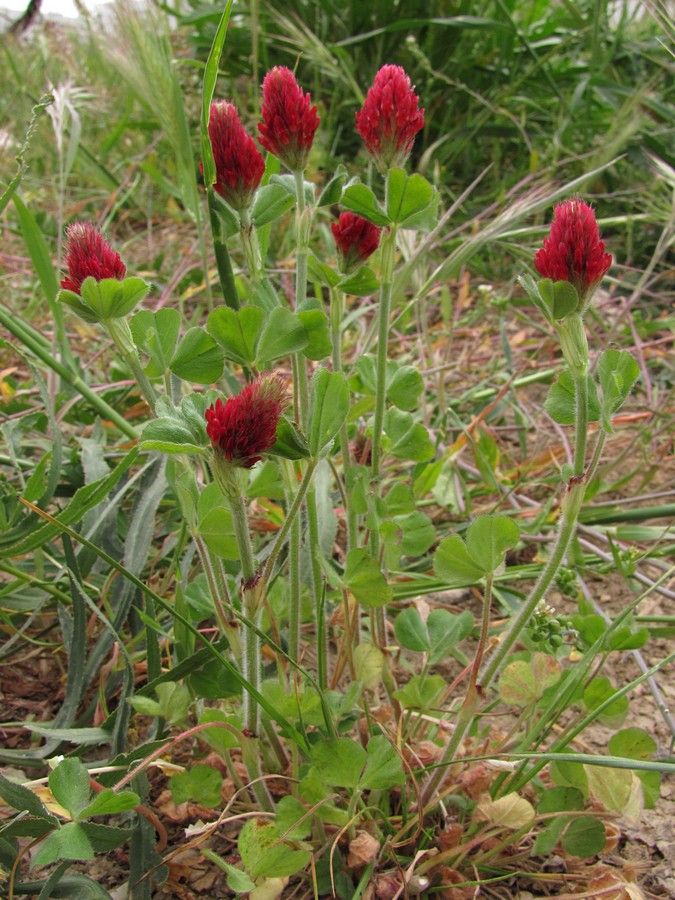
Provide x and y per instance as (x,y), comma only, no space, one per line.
(613,887)
(183,812)
(382,714)
(427,752)
(612,835)
(383,887)
(362,850)
(476,781)
(451,836)
(450,878)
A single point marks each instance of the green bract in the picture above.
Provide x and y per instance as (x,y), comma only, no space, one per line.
(106,299)
(555,299)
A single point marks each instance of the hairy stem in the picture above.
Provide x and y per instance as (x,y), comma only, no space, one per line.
(337,305)
(288,521)
(302,232)
(118,329)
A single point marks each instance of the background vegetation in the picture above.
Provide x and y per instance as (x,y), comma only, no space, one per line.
(526,103)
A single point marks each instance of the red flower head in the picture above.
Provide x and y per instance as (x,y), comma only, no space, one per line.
(289,122)
(573,250)
(390,118)
(355,238)
(244,427)
(89,254)
(239,163)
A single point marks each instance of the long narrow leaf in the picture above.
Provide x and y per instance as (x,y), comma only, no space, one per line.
(285,725)
(85,498)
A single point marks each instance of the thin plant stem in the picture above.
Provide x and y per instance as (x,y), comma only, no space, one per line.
(250,660)
(484,631)
(597,455)
(118,329)
(288,521)
(242,535)
(294,586)
(218,591)
(469,706)
(388,255)
(303,222)
(581,423)
(317,581)
(388,245)
(295,592)
(571,505)
(337,305)
(295,538)
(250,603)
(252,251)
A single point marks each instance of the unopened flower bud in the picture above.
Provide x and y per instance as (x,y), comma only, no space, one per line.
(390,118)
(355,239)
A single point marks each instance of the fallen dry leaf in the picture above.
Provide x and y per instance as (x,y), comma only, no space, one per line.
(450,836)
(362,850)
(427,752)
(383,887)
(476,781)
(269,889)
(450,878)
(613,887)
(510,811)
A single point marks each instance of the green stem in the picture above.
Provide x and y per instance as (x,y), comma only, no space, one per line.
(581,437)
(302,232)
(317,582)
(251,596)
(571,505)
(242,536)
(16,327)
(337,305)
(388,249)
(288,521)
(387,259)
(119,331)
(295,595)
(469,706)
(597,455)
(218,590)
(484,631)
(252,251)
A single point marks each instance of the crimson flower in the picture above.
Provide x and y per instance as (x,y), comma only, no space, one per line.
(239,163)
(573,250)
(355,238)
(244,427)
(289,123)
(88,254)
(390,118)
